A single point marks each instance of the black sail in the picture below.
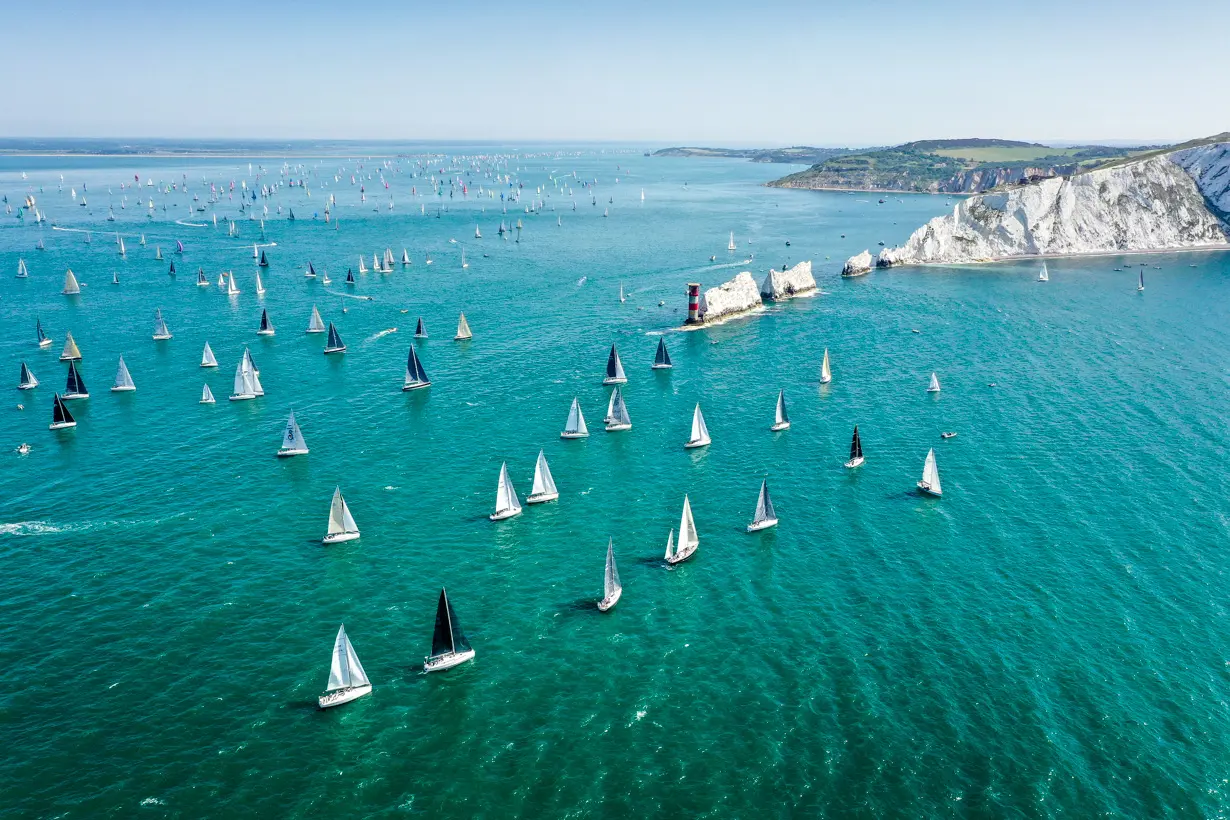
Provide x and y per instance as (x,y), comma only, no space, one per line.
(419,330)
(60,414)
(264,320)
(662,356)
(335,340)
(856,445)
(610,363)
(75,383)
(442,638)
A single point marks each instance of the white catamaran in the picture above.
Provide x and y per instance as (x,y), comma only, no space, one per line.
(575,426)
(688,539)
(544,484)
(611,587)
(506,502)
(930,483)
(700,432)
(765,516)
(781,420)
(347,680)
(293,443)
(449,646)
(341,523)
(614,369)
(617,417)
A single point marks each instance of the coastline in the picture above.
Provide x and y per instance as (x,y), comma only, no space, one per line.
(1044,256)
(868,190)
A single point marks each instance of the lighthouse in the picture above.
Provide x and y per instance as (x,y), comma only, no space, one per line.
(694,303)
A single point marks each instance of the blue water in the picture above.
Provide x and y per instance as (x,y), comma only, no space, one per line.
(1048,639)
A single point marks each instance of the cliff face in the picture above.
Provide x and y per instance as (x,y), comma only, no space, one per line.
(784,284)
(857,265)
(1162,202)
(739,295)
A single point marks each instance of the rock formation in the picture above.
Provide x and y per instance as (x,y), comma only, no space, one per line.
(857,265)
(1165,201)
(785,284)
(737,296)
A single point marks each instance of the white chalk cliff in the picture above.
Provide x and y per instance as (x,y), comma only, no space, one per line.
(785,284)
(1164,202)
(739,295)
(857,265)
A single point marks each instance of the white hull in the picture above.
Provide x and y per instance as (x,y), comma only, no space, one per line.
(777,428)
(123,389)
(925,488)
(442,662)
(207,364)
(824,380)
(339,537)
(462,338)
(855,462)
(615,428)
(933,390)
(334,350)
(309,330)
(607,603)
(660,367)
(243,396)
(540,498)
(45,343)
(287,452)
(680,557)
(207,401)
(28,386)
(757,526)
(415,386)
(264,333)
(161,337)
(70,358)
(573,435)
(501,515)
(339,696)
(614,381)
(692,445)
(74,396)
(61,425)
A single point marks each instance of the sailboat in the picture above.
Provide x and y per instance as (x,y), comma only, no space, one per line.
(930,483)
(201,280)
(781,421)
(376,263)
(416,376)
(123,379)
(264,262)
(688,539)
(614,369)
(27,382)
(617,417)
(362,264)
(477,233)
(334,343)
(575,426)
(463,329)
(420,332)
(347,680)
(349,276)
(765,516)
(934,386)
(71,287)
(76,385)
(449,646)
(43,341)
(293,443)
(700,432)
(544,484)
(171,272)
(120,240)
(179,246)
(231,288)
(611,587)
(341,523)
(326,278)
(71,352)
(1043,276)
(1141,286)
(207,395)
(250,364)
(428,259)
(464,263)
(506,503)
(266,328)
(622,298)
(22,272)
(856,450)
(245,381)
(222,280)
(388,259)
(310,272)
(260,286)
(161,333)
(405,257)
(826,374)
(730,246)
(662,359)
(60,417)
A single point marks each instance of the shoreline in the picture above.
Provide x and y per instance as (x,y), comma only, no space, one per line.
(871,190)
(1044,256)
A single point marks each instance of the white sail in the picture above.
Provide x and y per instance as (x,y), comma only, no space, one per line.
(254,379)
(575,426)
(207,357)
(780,416)
(670,545)
(700,433)
(1044,275)
(340,519)
(231,288)
(931,473)
(292,438)
(463,328)
(544,483)
(123,379)
(161,332)
(315,324)
(71,351)
(243,382)
(506,500)
(207,395)
(730,246)
(22,272)
(688,539)
(610,582)
(826,375)
(260,287)
(934,386)
(71,286)
(345,671)
(617,411)
(764,506)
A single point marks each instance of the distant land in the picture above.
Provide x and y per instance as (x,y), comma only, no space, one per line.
(955,166)
(795,154)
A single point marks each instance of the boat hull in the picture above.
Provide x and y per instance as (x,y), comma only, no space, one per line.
(692,445)
(288,452)
(826,381)
(925,489)
(442,662)
(123,389)
(27,386)
(541,497)
(329,350)
(207,401)
(660,367)
(777,428)
(339,537)
(855,462)
(680,557)
(615,428)
(339,696)
(70,358)
(566,434)
(462,338)
(243,397)
(415,386)
(264,333)
(61,425)
(162,337)
(501,515)
(611,381)
(46,343)
(607,603)
(74,396)
(757,526)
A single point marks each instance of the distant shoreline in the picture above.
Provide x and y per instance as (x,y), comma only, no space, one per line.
(1045,256)
(868,190)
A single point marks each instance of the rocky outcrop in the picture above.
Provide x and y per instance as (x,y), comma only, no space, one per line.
(737,296)
(786,284)
(1158,203)
(857,265)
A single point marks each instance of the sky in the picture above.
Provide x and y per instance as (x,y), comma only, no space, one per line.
(765,73)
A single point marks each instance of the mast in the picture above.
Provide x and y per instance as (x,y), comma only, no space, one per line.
(544,482)
(780,417)
(76,385)
(661,359)
(610,582)
(826,375)
(614,369)
(856,445)
(463,329)
(123,379)
(207,357)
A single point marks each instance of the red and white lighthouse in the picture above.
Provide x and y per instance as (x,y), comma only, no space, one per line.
(694,303)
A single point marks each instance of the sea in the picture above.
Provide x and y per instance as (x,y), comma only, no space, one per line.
(1049,639)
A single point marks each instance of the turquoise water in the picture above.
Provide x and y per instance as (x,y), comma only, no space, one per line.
(1049,639)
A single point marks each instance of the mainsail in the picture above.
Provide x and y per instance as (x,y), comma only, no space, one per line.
(780,416)
(416,376)
(544,483)
(463,329)
(856,445)
(934,386)
(447,639)
(764,506)
(334,343)
(826,375)
(610,583)
(315,324)
(931,474)
(346,671)
(420,332)
(340,519)
(27,378)
(662,359)
(123,379)
(614,368)
(506,500)
(266,328)
(575,426)
(70,284)
(292,438)
(700,433)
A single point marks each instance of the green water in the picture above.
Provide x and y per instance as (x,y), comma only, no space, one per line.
(1049,639)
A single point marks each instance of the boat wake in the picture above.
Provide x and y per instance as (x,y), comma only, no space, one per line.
(376,336)
(349,295)
(187,224)
(582,281)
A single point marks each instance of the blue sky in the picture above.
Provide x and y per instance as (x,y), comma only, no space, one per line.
(716,73)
